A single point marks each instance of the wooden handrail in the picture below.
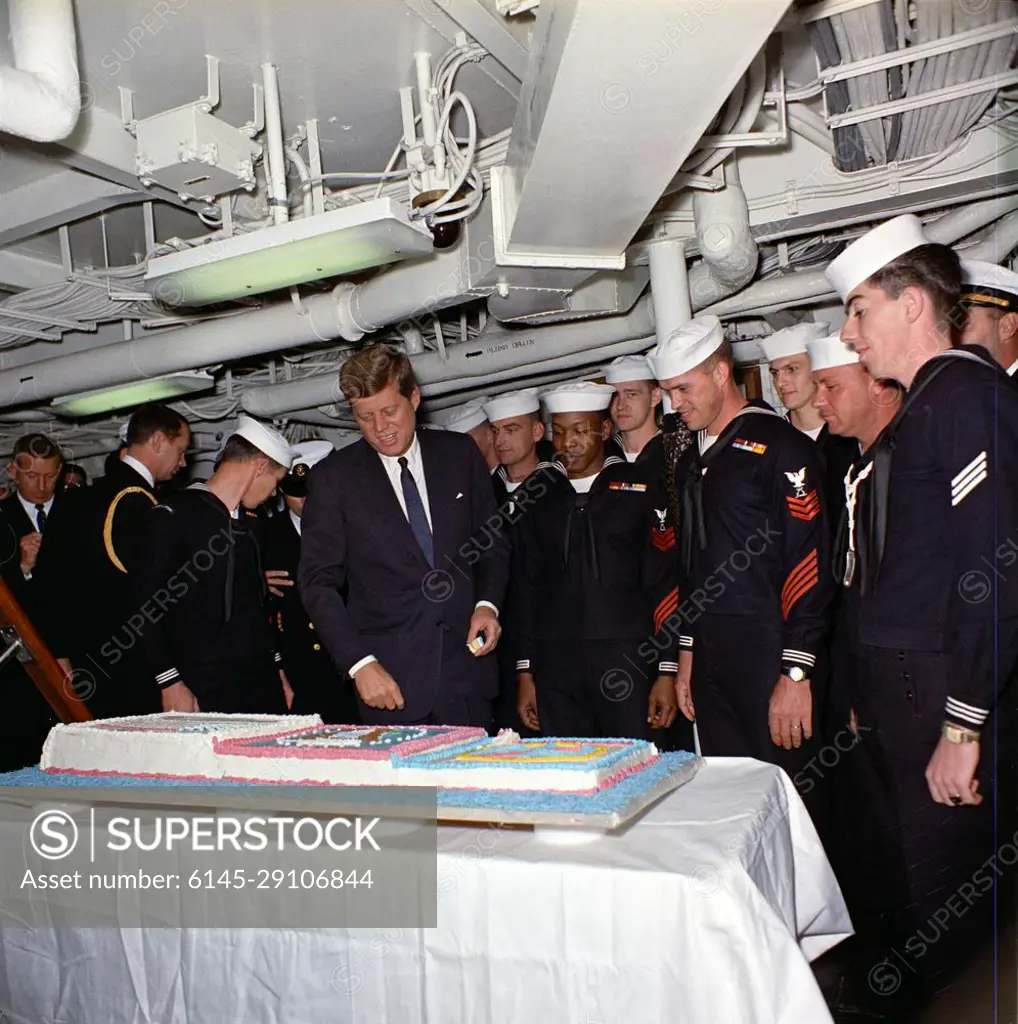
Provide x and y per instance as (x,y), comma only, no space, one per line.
(40,665)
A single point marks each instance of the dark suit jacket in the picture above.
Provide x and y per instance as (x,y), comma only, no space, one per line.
(413,618)
(15,524)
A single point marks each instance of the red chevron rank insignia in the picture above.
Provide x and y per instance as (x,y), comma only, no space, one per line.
(806,507)
(664,540)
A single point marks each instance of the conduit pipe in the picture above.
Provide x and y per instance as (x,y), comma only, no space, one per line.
(729,251)
(40,96)
(494,352)
(269,329)
(669,286)
(275,160)
(812,285)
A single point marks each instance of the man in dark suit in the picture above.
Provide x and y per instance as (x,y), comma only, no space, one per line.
(92,546)
(407,521)
(35,469)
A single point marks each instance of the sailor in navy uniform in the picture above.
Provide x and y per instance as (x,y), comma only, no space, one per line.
(989,298)
(787,355)
(519,481)
(318,689)
(856,408)
(938,609)
(635,408)
(756,581)
(208,642)
(469,419)
(593,582)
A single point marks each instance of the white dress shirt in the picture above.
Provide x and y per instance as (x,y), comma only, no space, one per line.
(140,468)
(295,519)
(32,512)
(394,472)
(390,463)
(1012,368)
(33,515)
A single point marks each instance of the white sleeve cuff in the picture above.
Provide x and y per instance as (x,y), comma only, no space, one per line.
(968,714)
(354,669)
(668,668)
(686,641)
(486,604)
(523,665)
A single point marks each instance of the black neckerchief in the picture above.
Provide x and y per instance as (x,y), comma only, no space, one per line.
(693,521)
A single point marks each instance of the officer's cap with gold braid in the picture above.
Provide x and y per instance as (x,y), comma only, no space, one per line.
(308,453)
(990,285)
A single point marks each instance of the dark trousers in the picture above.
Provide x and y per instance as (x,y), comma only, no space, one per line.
(592,689)
(319,691)
(506,715)
(935,877)
(115,689)
(250,687)
(736,665)
(26,721)
(454,703)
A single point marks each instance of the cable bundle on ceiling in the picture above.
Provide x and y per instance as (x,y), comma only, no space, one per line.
(870,31)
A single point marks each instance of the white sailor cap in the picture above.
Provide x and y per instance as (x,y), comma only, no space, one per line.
(463,418)
(578,396)
(866,255)
(988,284)
(627,368)
(790,341)
(268,441)
(686,347)
(831,351)
(512,403)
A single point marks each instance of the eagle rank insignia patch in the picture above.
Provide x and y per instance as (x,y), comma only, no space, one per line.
(802,504)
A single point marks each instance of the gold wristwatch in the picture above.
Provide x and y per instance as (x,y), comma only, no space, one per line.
(956,734)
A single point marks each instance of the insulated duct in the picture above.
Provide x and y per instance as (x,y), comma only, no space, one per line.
(40,96)
(729,251)
(809,286)
(496,351)
(269,329)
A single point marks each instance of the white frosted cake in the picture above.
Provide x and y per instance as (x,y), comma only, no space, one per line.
(294,749)
(173,744)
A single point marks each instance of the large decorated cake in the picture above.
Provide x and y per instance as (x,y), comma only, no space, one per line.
(295,749)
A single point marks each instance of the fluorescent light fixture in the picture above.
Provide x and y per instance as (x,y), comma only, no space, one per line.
(154,389)
(338,242)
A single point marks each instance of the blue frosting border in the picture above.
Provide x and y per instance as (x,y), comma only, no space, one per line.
(605,801)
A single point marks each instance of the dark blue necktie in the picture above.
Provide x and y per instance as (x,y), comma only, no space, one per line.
(415,512)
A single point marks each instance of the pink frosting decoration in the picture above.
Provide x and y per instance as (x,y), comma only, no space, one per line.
(267,745)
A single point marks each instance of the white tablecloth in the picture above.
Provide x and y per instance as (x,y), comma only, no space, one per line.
(708,909)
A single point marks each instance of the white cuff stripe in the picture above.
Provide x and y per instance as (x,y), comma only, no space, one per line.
(800,657)
(668,667)
(685,641)
(523,666)
(170,673)
(966,711)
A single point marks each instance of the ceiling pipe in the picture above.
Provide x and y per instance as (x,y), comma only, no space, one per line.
(40,96)
(496,351)
(811,286)
(669,286)
(270,329)
(729,250)
(275,161)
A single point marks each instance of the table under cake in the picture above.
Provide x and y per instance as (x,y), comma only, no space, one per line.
(708,908)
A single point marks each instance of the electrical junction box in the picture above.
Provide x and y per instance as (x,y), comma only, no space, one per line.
(194,154)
